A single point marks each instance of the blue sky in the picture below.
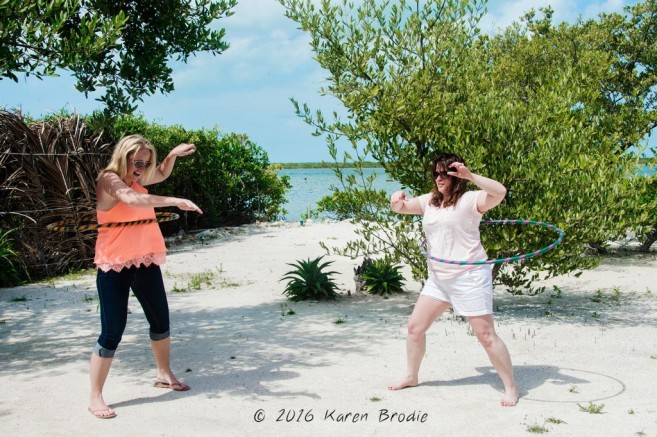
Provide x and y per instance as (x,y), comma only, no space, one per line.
(248,88)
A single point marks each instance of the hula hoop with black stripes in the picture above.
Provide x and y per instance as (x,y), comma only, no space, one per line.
(423,246)
(69,225)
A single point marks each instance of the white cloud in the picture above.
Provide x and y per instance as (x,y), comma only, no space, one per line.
(595,8)
(264,45)
(501,13)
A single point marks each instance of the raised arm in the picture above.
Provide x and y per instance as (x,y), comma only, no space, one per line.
(165,168)
(111,190)
(494,191)
(399,204)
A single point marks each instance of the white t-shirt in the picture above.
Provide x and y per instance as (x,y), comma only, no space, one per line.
(453,233)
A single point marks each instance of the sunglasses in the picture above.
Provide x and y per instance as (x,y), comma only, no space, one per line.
(141,165)
(443,174)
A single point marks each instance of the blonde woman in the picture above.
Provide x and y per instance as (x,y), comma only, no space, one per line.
(129,257)
(450,219)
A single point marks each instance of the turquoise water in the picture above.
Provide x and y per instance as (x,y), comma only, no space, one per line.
(309,185)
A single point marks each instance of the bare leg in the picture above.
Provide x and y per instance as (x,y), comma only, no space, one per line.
(498,354)
(99,368)
(425,312)
(161,352)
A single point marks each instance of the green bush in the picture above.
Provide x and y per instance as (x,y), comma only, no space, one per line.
(12,271)
(343,205)
(229,177)
(382,277)
(309,281)
(647,231)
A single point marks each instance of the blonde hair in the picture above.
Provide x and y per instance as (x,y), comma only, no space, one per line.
(126,149)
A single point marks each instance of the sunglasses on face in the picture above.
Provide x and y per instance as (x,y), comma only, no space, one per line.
(443,174)
(141,165)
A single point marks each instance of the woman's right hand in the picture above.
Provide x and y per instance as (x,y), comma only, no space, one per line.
(397,200)
(188,205)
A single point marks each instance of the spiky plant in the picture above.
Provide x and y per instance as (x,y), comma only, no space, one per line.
(382,277)
(12,270)
(309,281)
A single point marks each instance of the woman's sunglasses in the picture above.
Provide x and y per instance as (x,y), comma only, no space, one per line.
(443,174)
(141,165)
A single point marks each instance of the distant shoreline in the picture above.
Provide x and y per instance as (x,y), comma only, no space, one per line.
(292,165)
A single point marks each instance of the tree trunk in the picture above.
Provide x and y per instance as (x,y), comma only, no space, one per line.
(650,239)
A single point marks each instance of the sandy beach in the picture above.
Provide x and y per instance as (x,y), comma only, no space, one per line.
(584,352)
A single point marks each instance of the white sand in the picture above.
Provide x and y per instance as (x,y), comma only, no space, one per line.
(243,355)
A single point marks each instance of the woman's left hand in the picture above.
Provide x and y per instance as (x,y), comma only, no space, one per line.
(459,170)
(183,149)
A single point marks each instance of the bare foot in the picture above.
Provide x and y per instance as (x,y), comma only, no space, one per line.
(100,409)
(404,383)
(510,398)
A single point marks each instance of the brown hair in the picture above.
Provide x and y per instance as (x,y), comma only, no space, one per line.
(457,187)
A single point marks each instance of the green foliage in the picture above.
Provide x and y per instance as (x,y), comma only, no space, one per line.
(342,205)
(382,277)
(536,107)
(12,270)
(647,229)
(229,177)
(537,429)
(309,281)
(38,37)
(591,408)
(123,46)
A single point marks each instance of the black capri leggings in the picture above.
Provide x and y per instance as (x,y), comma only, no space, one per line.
(113,293)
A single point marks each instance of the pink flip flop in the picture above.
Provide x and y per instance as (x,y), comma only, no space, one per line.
(98,414)
(176,386)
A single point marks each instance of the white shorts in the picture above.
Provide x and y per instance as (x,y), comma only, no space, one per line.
(471,294)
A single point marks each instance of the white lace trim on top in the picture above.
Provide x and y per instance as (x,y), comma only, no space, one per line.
(146,260)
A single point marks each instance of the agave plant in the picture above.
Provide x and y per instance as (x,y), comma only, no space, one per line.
(309,281)
(382,277)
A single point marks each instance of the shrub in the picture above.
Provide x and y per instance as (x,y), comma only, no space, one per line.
(12,270)
(309,281)
(382,277)
(229,177)
(343,205)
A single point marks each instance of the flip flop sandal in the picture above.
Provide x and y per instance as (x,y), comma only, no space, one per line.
(176,386)
(97,415)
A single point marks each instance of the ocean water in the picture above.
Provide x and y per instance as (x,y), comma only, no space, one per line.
(647,170)
(309,185)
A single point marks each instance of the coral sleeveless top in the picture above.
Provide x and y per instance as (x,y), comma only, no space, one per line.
(128,246)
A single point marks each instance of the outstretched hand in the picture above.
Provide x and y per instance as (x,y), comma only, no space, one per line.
(183,149)
(188,205)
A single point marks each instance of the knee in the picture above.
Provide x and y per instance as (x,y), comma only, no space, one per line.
(487,338)
(416,329)
(109,339)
